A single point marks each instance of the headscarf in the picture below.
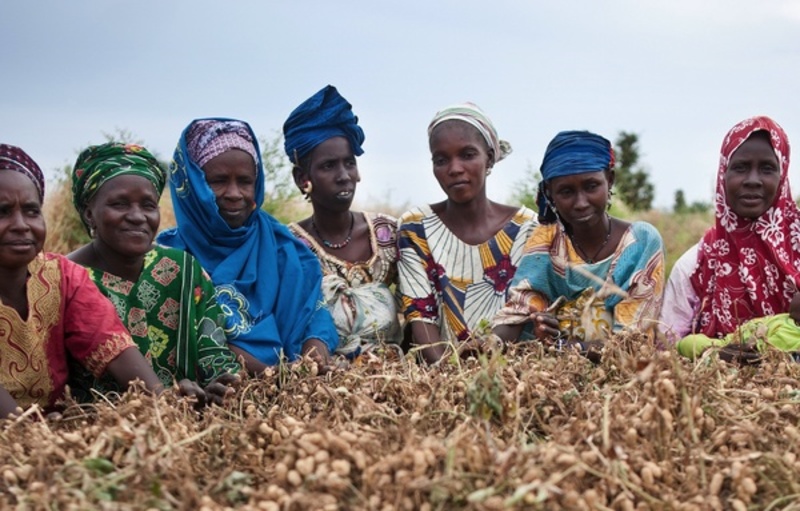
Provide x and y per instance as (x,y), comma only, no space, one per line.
(209,138)
(570,153)
(99,164)
(268,282)
(474,116)
(748,268)
(324,115)
(14,158)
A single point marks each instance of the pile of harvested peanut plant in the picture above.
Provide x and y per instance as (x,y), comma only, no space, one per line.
(644,429)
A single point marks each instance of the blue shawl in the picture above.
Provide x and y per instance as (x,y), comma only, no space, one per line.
(268,283)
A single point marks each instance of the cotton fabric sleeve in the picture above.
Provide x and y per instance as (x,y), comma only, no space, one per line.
(93,333)
(680,300)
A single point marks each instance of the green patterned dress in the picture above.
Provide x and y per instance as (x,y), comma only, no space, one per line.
(173,317)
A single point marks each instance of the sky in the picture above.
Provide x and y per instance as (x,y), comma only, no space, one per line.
(679,73)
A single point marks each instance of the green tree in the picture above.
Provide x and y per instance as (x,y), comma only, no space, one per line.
(680,205)
(526,189)
(282,199)
(633,183)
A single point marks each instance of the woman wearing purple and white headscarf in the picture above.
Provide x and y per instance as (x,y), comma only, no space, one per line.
(267,281)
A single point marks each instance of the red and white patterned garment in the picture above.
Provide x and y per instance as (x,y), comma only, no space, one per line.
(748,268)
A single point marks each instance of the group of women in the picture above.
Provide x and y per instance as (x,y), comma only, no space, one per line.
(231,289)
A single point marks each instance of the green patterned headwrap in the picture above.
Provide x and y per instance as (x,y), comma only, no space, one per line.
(98,164)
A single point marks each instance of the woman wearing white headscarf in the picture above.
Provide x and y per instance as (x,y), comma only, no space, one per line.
(458,256)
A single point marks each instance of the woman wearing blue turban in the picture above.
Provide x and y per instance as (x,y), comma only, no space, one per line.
(267,282)
(357,251)
(584,274)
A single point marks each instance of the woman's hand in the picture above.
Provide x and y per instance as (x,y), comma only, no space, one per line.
(740,353)
(545,327)
(220,388)
(188,388)
(317,351)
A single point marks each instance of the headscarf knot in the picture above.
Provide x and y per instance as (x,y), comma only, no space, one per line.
(98,164)
(570,153)
(474,116)
(324,115)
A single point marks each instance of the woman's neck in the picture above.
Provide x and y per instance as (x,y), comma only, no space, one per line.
(332,223)
(110,261)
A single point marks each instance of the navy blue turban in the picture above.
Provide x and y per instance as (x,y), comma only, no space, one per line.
(569,153)
(324,115)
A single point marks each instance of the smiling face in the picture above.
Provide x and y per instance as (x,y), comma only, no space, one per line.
(752,177)
(22,228)
(232,178)
(124,213)
(333,172)
(581,199)
(460,160)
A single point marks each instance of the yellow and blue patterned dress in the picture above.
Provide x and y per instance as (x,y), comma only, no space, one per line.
(450,283)
(622,290)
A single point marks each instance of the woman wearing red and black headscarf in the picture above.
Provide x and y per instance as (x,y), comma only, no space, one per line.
(748,265)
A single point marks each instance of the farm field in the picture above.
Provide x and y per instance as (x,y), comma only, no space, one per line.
(644,429)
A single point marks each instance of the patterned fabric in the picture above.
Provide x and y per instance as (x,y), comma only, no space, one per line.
(324,115)
(359,294)
(68,317)
(551,268)
(748,268)
(570,153)
(208,138)
(471,114)
(173,317)
(268,282)
(14,158)
(100,163)
(452,284)
(778,332)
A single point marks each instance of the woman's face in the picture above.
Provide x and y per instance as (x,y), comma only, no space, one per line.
(460,160)
(581,199)
(22,229)
(232,178)
(125,216)
(752,177)
(333,172)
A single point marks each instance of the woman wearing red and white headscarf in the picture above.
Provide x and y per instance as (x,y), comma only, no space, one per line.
(748,265)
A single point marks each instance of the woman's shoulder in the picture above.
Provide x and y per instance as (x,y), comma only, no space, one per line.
(645,232)
(687,262)
(380,218)
(525,218)
(415,215)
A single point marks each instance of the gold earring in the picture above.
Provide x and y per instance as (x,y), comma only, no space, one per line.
(307,189)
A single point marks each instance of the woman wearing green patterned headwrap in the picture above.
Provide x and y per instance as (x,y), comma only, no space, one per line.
(162,295)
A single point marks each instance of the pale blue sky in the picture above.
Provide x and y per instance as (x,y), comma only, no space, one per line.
(679,73)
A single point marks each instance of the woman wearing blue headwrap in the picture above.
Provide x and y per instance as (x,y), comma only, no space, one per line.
(457,257)
(584,274)
(357,251)
(267,282)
